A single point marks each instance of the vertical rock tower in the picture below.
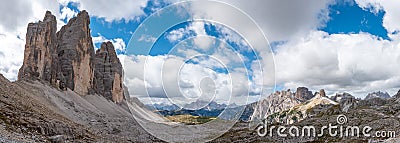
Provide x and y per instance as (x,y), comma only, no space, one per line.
(75,54)
(40,47)
(66,59)
(303,94)
(108,73)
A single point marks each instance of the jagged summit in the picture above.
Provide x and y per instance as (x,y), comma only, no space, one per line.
(397,95)
(40,48)
(378,94)
(277,102)
(303,93)
(67,60)
(285,100)
(49,17)
(75,55)
(340,96)
(108,73)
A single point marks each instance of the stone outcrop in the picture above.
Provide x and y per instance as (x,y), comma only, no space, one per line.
(75,54)
(347,104)
(340,96)
(397,95)
(378,94)
(66,59)
(346,101)
(321,93)
(108,73)
(277,102)
(282,101)
(40,47)
(302,93)
(373,102)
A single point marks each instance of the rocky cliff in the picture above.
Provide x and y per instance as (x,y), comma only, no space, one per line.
(40,48)
(378,94)
(380,114)
(346,101)
(287,102)
(108,73)
(277,102)
(66,59)
(397,95)
(75,54)
(303,94)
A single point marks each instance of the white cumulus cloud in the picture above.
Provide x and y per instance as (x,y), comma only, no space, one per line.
(168,76)
(115,10)
(355,63)
(118,43)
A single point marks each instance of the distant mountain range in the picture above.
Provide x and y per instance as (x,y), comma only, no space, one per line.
(282,106)
(378,94)
(289,107)
(212,109)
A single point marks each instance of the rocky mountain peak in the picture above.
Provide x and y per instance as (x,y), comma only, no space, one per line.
(397,95)
(108,73)
(321,93)
(282,101)
(340,96)
(379,94)
(108,48)
(82,19)
(40,46)
(66,59)
(302,93)
(84,14)
(75,54)
(277,102)
(49,17)
(345,100)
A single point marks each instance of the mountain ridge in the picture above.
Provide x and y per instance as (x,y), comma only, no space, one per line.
(67,60)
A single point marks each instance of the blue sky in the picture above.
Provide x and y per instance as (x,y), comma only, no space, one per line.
(344,17)
(348,17)
(340,46)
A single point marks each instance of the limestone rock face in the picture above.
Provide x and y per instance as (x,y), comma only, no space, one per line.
(108,73)
(282,101)
(75,53)
(347,104)
(321,93)
(303,93)
(379,94)
(277,102)
(397,95)
(39,49)
(340,96)
(66,59)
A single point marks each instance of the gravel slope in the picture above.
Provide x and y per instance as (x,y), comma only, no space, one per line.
(36,112)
